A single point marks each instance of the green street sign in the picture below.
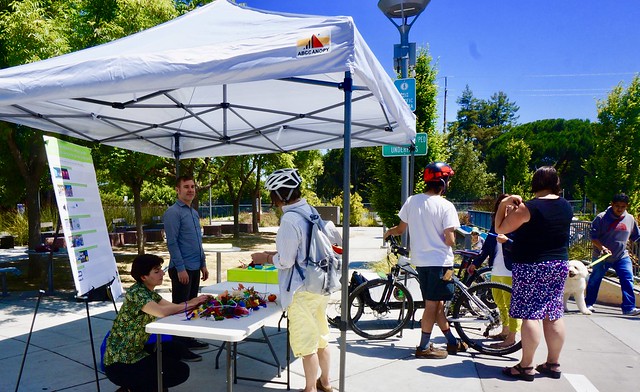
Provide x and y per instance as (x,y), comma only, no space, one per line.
(402,151)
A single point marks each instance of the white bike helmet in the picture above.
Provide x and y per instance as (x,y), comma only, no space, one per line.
(283,179)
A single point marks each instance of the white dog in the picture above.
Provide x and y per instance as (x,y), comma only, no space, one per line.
(576,284)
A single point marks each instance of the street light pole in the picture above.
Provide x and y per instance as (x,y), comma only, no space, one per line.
(404,57)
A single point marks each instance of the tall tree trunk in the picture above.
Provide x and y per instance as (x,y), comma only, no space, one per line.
(257,204)
(236,218)
(31,164)
(136,188)
(36,266)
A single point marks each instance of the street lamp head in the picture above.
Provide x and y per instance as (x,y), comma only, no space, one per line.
(402,8)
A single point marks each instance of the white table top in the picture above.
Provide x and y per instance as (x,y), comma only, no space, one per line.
(220,248)
(228,330)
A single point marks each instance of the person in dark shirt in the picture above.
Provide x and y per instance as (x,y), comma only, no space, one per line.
(540,228)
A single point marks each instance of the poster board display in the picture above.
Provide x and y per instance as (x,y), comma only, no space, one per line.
(85,230)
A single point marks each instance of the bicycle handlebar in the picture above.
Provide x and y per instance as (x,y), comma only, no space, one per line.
(396,249)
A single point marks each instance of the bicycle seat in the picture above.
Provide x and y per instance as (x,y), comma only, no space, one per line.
(466,252)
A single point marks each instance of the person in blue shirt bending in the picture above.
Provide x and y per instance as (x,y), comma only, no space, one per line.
(610,231)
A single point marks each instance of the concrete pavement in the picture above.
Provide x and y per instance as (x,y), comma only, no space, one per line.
(602,352)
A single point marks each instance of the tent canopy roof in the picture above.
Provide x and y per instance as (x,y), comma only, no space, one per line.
(221,80)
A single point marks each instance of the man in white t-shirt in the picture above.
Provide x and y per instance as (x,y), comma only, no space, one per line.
(432,220)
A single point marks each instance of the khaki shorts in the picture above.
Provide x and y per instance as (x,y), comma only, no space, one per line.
(308,327)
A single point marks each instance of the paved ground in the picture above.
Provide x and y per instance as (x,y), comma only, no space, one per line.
(602,352)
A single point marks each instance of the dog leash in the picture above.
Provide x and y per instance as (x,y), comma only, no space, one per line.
(599,260)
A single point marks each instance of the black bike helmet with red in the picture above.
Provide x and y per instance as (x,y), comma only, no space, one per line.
(438,172)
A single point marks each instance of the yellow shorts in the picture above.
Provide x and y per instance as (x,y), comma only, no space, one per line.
(308,327)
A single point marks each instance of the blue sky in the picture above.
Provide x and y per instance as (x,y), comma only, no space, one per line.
(553,58)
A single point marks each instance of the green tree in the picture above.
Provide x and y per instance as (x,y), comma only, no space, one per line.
(468,115)
(329,183)
(517,173)
(132,169)
(615,163)
(32,30)
(564,144)
(385,182)
(471,181)
(480,121)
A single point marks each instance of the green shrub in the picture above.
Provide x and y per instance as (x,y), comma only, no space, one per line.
(15,224)
(358,210)
(267,219)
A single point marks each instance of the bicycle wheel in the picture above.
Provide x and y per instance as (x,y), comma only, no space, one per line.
(476,320)
(378,310)
(480,276)
(334,309)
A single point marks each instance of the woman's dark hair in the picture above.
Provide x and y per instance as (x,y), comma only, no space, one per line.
(143,264)
(500,197)
(546,178)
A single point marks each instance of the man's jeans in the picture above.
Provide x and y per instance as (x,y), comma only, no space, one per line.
(623,268)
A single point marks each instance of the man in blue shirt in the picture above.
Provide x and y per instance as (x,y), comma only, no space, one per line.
(184,240)
(610,231)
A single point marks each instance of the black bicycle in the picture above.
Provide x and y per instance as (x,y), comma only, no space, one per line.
(381,308)
(481,275)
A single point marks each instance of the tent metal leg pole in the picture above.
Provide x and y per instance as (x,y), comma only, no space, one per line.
(346,191)
(176,153)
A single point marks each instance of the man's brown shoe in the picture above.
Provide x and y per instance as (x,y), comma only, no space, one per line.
(431,352)
(461,347)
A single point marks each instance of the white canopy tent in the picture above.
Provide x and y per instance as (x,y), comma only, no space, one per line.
(219,81)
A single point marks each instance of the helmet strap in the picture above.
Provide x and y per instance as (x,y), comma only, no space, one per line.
(285,199)
(446,185)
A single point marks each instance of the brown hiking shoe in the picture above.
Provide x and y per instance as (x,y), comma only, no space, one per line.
(461,347)
(431,352)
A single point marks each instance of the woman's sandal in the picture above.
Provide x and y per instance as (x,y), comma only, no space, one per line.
(521,372)
(498,336)
(322,388)
(545,368)
(499,345)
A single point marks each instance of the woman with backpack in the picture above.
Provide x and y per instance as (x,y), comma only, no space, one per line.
(307,311)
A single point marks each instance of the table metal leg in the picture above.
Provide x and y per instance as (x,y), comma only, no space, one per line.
(229,368)
(218,267)
(159,358)
(273,352)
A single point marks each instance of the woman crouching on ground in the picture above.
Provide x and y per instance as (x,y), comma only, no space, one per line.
(129,361)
